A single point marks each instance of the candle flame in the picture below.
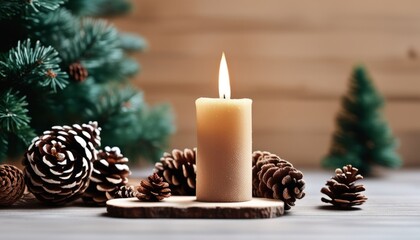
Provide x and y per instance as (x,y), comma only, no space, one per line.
(224,83)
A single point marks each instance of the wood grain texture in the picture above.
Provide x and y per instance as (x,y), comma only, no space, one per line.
(293,58)
(391,212)
(188,207)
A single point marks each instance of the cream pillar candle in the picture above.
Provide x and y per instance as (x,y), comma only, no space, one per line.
(224,145)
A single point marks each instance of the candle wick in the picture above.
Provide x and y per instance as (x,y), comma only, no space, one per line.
(224,96)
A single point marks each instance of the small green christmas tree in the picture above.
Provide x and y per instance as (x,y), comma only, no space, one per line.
(60,65)
(362,137)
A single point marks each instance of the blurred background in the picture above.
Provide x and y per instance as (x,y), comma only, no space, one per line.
(293,58)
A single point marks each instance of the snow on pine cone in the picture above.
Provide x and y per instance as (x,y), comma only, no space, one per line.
(58,164)
(126,191)
(110,171)
(178,168)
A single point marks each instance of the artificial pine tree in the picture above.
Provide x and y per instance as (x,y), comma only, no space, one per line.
(60,66)
(362,138)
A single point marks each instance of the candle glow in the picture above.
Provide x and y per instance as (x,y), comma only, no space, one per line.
(224,82)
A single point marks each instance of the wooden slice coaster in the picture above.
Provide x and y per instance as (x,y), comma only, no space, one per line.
(188,207)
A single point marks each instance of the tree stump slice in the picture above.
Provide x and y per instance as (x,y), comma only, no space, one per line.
(188,207)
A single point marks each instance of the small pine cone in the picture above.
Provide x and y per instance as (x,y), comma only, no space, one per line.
(78,72)
(125,192)
(110,171)
(58,163)
(179,170)
(153,189)
(342,190)
(12,184)
(280,180)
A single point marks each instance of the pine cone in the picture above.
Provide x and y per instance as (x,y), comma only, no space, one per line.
(125,192)
(78,72)
(153,189)
(257,162)
(110,171)
(278,179)
(261,155)
(12,184)
(58,164)
(342,190)
(179,170)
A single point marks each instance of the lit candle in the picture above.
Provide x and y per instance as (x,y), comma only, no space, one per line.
(224,145)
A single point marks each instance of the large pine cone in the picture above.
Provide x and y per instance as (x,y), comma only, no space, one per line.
(153,189)
(276,178)
(342,190)
(110,171)
(179,170)
(58,163)
(12,184)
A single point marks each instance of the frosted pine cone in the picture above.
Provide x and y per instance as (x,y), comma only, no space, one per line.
(125,192)
(153,189)
(110,171)
(12,184)
(342,190)
(179,170)
(58,163)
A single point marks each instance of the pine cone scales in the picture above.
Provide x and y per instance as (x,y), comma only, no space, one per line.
(12,184)
(110,171)
(153,189)
(78,72)
(58,163)
(179,170)
(281,181)
(341,189)
(125,192)
(259,159)
(276,178)
(262,155)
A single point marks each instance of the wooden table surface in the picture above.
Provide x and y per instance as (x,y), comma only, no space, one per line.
(391,212)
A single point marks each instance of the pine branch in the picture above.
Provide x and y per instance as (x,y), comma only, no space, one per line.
(115,70)
(96,43)
(13,112)
(14,121)
(3,145)
(97,48)
(132,42)
(37,66)
(97,8)
(54,28)
(10,8)
(157,125)
(129,123)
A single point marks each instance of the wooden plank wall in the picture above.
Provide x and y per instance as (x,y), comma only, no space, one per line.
(293,58)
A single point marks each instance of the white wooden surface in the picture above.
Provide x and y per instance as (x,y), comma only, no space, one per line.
(391,212)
